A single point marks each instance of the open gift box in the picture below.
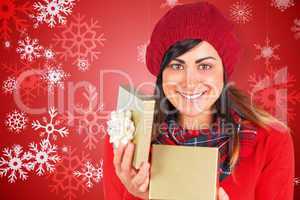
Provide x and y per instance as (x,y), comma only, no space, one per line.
(183,172)
(177,172)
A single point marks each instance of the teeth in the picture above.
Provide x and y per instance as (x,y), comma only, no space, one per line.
(189,97)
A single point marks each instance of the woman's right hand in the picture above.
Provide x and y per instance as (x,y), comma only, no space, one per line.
(135,181)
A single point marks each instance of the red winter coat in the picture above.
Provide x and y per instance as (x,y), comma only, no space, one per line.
(265,171)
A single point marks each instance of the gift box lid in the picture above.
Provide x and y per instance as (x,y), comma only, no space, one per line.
(142,107)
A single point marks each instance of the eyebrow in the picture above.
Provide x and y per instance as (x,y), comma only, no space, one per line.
(197,61)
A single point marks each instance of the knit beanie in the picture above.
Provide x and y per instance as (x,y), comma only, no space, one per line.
(199,20)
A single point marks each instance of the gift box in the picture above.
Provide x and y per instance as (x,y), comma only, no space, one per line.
(183,173)
(177,172)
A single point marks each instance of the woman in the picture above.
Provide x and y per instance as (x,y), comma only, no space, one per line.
(192,53)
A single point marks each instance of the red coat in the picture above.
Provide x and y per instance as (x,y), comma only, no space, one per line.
(265,171)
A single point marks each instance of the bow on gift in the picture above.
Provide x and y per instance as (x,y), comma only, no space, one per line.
(120,127)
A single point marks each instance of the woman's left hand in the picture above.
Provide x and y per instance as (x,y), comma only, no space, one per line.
(222,195)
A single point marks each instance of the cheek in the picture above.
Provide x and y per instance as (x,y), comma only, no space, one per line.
(169,88)
(170,80)
(169,84)
(217,84)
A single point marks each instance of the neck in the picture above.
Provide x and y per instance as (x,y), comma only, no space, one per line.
(203,120)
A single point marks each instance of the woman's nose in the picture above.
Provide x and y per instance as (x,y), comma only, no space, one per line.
(192,77)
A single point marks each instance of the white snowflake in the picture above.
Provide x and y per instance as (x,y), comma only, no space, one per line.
(296,28)
(55,76)
(52,12)
(7,44)
(267,51)
(29,49)
(297,181)
(15,162)
(50,127)
(241,12)
(49,54)
(16,121)
(65,149)
(83,64)
(169,3)
(90,174)
(141,53)
(282,5)
(44,157)
(9,85)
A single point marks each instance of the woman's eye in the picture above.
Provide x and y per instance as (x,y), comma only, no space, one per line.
(204,67)
(177,66)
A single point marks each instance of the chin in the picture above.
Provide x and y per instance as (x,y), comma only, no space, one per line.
(193,112)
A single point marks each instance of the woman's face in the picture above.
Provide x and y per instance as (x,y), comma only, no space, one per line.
(193,81)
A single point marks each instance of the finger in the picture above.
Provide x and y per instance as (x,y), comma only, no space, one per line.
(127,158)
(222,194)
(141,175)
(118,157)
(144,186)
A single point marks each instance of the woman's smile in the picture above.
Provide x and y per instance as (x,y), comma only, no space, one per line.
(193,97)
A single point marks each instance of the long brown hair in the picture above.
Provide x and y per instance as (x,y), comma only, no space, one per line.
(231,97)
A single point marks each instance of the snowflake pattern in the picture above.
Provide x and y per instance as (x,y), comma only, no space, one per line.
(16,121)
(141,53)
(265,90)
(50,127)
(65,149)
(267,52)
(90,174)
(297,181)
(7,44)
(15,163)
(31,89)
(55,77)
(29,49)
(63,181)
(15,69)
(87,120)
(170,3)
(45,157)
(296,28)
(49,54)
(12,17)
(83,64)
(282,5)
(52,12)
(9,85)
(241,12)
(79,39)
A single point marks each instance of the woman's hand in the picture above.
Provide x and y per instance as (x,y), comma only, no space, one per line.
(135,181)
(222,195)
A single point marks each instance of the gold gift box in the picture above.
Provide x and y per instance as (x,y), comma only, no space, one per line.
(183,173)
(177,172)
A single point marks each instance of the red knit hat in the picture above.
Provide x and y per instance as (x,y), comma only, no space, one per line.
(199,20)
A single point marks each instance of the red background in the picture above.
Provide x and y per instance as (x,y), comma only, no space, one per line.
(125,25)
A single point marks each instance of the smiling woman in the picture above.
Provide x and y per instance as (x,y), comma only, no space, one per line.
(197,104)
